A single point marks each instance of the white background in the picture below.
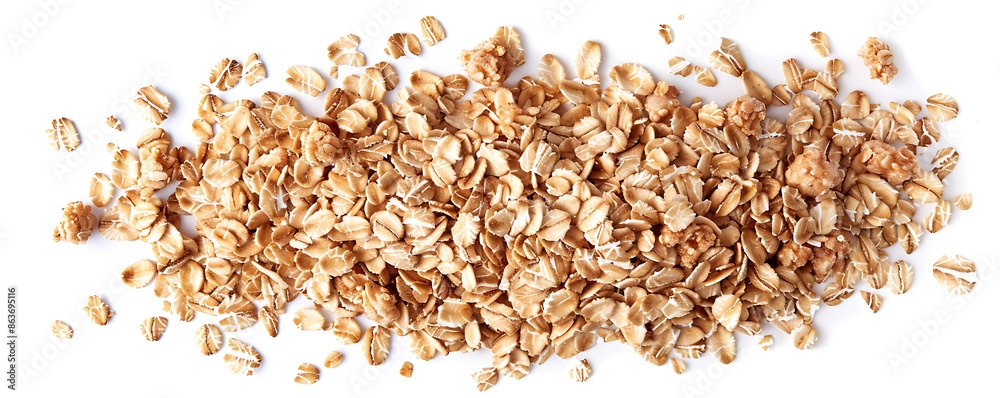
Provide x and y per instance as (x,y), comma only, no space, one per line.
(84,61)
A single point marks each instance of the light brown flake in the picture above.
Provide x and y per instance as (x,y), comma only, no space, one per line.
(431,30)
(254,70)
(139,274)
(679,66)
(401,43)
(963,201)
(209,339)
(726,309)
(666,34)
(267,316)
(333,359)
(677,365)
(581,371)
(704,76)
(62,330)
(98,310)
(939,216)
(766,342)
(944,162)
(956,274)
(241,358)
(101,190)
(873,300)
(485,378)
(305,80)
(63,135)
(942,107)
(900,276)
(375,345)
(155,106)
(820,43)
(728,59)
(406,370)
(308,374)
(225,74)
(309,319)
(803,337)
(114,123)
(153,328)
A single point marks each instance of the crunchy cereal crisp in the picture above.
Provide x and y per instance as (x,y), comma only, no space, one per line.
(114,123)
(878,59)
(62,330)
(407,369)
(98,310)
(896,165)
(76,225)
(63,135)
(956,274)
(747,114)
(308,374)
(580,372)
(812,174)
(153,328)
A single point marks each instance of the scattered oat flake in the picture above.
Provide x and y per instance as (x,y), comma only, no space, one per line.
(98,310)
(254,70)
(401,43)
(62,330)
(63,135)
(485,378)
(241,358)
(766,342)
(308,374)
(305,80)
(580,372)
(820,43)
(209,339)
(407,369)
(677,365)
(956,274)
(101,190)
(963,201)
(114,123)
(333,359)
(153,328)
(873,300)
(431,30)
(225,74)
(666,34)
(155,106)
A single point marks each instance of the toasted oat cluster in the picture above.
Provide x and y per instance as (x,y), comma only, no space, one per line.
(76,225)
(878,59)
(530,219)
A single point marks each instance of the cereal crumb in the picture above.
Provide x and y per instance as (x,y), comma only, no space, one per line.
(878,59)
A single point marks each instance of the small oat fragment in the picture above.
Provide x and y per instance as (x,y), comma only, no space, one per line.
(679,66)
(343,52)
(878,59)
(76,225)
(101,190)
(942,107)
(820,43)
(704,76)
(155,105)
(153,328)
(939,216)
(401,43)
(944,162)
(241,358)
(333,359)
(209,339)
(900,276)
(375,345)
(407,369)
(485,378)
(728,58)
(98,310)
(956,274)
(114,123)
(269,319)
(62,330)
(677,365)
(308,374)
(766,342)
(139,274)
(305,80)
(202,129)
(204,88)
(580,372)
(666,34)
(874,301)
(63,135)
(963,201)
(254,70)
(431,30)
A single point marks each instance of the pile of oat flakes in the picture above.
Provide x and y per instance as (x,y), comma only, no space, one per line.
(529,219)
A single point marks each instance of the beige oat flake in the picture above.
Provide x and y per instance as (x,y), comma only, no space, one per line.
(308,374)
(333,359)
(963,201)
(254,70)
(155,105)
(114,123)
(305,80)
(101,190)
(63,135)
(666,34)
(485,378)
(375,345)
(956,274)
(820,43)
(581,371)
(225,74)
(401,43)
(139,274)
(209,339)
(153,328)
(241,358)
(98,310)
(431,30)
(62,330)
